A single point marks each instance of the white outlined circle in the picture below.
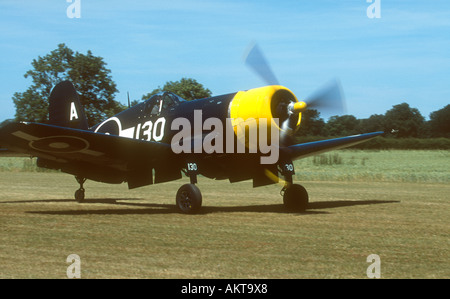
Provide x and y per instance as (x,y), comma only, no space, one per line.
(119,124)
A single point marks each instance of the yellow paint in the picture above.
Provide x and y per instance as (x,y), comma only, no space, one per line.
(299,107)
(256,104)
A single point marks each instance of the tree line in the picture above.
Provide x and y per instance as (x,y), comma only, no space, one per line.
(402,121)
(93,81)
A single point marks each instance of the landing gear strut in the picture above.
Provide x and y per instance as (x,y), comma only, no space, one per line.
(79,194)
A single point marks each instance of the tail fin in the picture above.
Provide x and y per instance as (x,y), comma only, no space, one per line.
(65,109)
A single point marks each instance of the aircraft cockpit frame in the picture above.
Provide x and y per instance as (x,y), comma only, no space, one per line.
(161,102)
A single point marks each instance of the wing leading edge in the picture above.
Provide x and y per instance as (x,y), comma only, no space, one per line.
(303,150)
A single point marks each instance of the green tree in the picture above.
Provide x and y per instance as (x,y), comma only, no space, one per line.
(403,121)
(341,125)
(374,123)
(187,88)
(87,72)
(439,123)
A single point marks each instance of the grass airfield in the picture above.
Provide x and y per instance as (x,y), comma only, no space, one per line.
(241,233)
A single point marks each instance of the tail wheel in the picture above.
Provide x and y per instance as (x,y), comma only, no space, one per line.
(189,199)
(79,194)
(295,198)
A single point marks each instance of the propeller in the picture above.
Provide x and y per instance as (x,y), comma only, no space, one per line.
(328,99)
(255,59)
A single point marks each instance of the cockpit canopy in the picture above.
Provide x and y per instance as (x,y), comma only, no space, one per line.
(162,101)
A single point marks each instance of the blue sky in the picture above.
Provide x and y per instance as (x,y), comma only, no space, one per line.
(404,56)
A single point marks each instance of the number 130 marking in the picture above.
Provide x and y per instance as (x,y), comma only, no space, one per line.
(192,167)
(158,129)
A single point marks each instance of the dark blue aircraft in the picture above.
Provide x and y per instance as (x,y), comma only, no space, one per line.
(160,139)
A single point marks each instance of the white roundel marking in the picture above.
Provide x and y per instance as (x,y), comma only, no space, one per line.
(60,144)
(112,119)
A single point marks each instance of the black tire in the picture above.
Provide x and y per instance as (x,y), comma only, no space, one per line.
(296,198)
(189,199)
(79,195)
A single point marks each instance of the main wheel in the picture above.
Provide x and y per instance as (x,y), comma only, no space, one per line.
(295,198)
(79,195)
(189,199)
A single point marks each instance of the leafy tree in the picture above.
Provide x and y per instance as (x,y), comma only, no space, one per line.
(87,72)
(439,123)
(403,121)
(341,125)
(372,124)
(187,88)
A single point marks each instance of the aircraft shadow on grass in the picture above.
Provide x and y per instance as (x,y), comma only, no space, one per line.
(149,208)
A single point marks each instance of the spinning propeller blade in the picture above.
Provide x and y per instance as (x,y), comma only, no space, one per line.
(329,98)
(255,59)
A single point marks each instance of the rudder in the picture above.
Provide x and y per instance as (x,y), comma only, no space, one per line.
(65,109)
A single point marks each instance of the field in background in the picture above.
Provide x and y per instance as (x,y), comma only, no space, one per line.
(425,166)
(415,166)
(393,204)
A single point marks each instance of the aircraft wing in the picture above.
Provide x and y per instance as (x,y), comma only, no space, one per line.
(64,145)
(302,150)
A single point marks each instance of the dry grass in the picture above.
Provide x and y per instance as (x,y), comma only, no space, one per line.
(242,232)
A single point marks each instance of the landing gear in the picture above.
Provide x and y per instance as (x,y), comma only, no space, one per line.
(189,199)
(79,194)
(295,197)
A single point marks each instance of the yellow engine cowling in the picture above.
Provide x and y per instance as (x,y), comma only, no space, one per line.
(268,102)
